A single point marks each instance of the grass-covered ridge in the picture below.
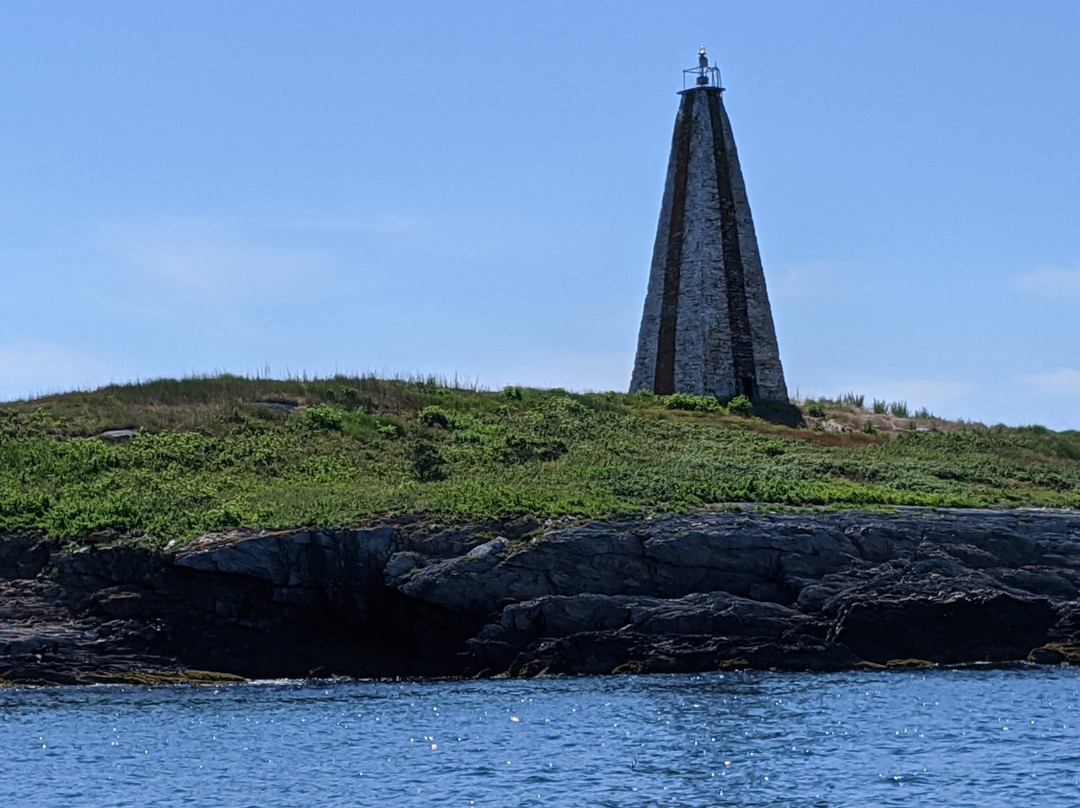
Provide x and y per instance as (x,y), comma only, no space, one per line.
(226,452)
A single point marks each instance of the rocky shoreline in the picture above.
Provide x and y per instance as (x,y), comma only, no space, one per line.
(675,593)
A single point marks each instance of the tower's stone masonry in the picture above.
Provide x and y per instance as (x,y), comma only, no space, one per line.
(707,327)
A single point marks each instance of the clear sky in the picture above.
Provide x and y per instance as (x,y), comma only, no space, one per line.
(472,188)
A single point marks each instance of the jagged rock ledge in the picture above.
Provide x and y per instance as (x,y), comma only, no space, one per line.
(671,593)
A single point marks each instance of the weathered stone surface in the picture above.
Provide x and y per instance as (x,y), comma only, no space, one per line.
(524,628)
(674,593)
(288,559)
(118,435)
(23,557)
(493,547)
(707,326)
(957,627)
(400,565)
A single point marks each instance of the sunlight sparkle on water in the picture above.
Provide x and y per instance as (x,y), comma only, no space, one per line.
(901,738)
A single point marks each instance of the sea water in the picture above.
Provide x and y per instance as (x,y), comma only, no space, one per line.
(941,738)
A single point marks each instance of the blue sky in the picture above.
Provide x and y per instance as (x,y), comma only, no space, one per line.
(472,188)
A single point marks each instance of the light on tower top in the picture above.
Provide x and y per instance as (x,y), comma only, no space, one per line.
(703,74)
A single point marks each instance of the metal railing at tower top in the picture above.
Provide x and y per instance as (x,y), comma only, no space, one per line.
(703,75)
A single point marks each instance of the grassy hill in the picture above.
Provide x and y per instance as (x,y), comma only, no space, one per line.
(216,453)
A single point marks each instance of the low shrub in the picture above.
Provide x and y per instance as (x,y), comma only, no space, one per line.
(361,426)
(323,416)
(741,405)
(437,417)
(427,461)
(692,403)
(514,448)
(391,429)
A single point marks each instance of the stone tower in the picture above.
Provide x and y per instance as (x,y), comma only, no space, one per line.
(707,327)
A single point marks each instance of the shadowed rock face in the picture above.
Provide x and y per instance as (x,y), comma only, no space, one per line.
(678,593)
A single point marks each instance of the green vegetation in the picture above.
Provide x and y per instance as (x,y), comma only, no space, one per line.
(899,409)
(853,400)
(225,452)
(740,405)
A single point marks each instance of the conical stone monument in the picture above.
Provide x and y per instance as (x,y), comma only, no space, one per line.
(707,328)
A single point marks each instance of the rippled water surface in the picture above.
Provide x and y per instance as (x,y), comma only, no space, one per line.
(944,738)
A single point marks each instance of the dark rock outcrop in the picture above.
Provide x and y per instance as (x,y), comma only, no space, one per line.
(673,593)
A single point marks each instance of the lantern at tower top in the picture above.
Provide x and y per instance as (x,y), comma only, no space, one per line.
(703,75)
